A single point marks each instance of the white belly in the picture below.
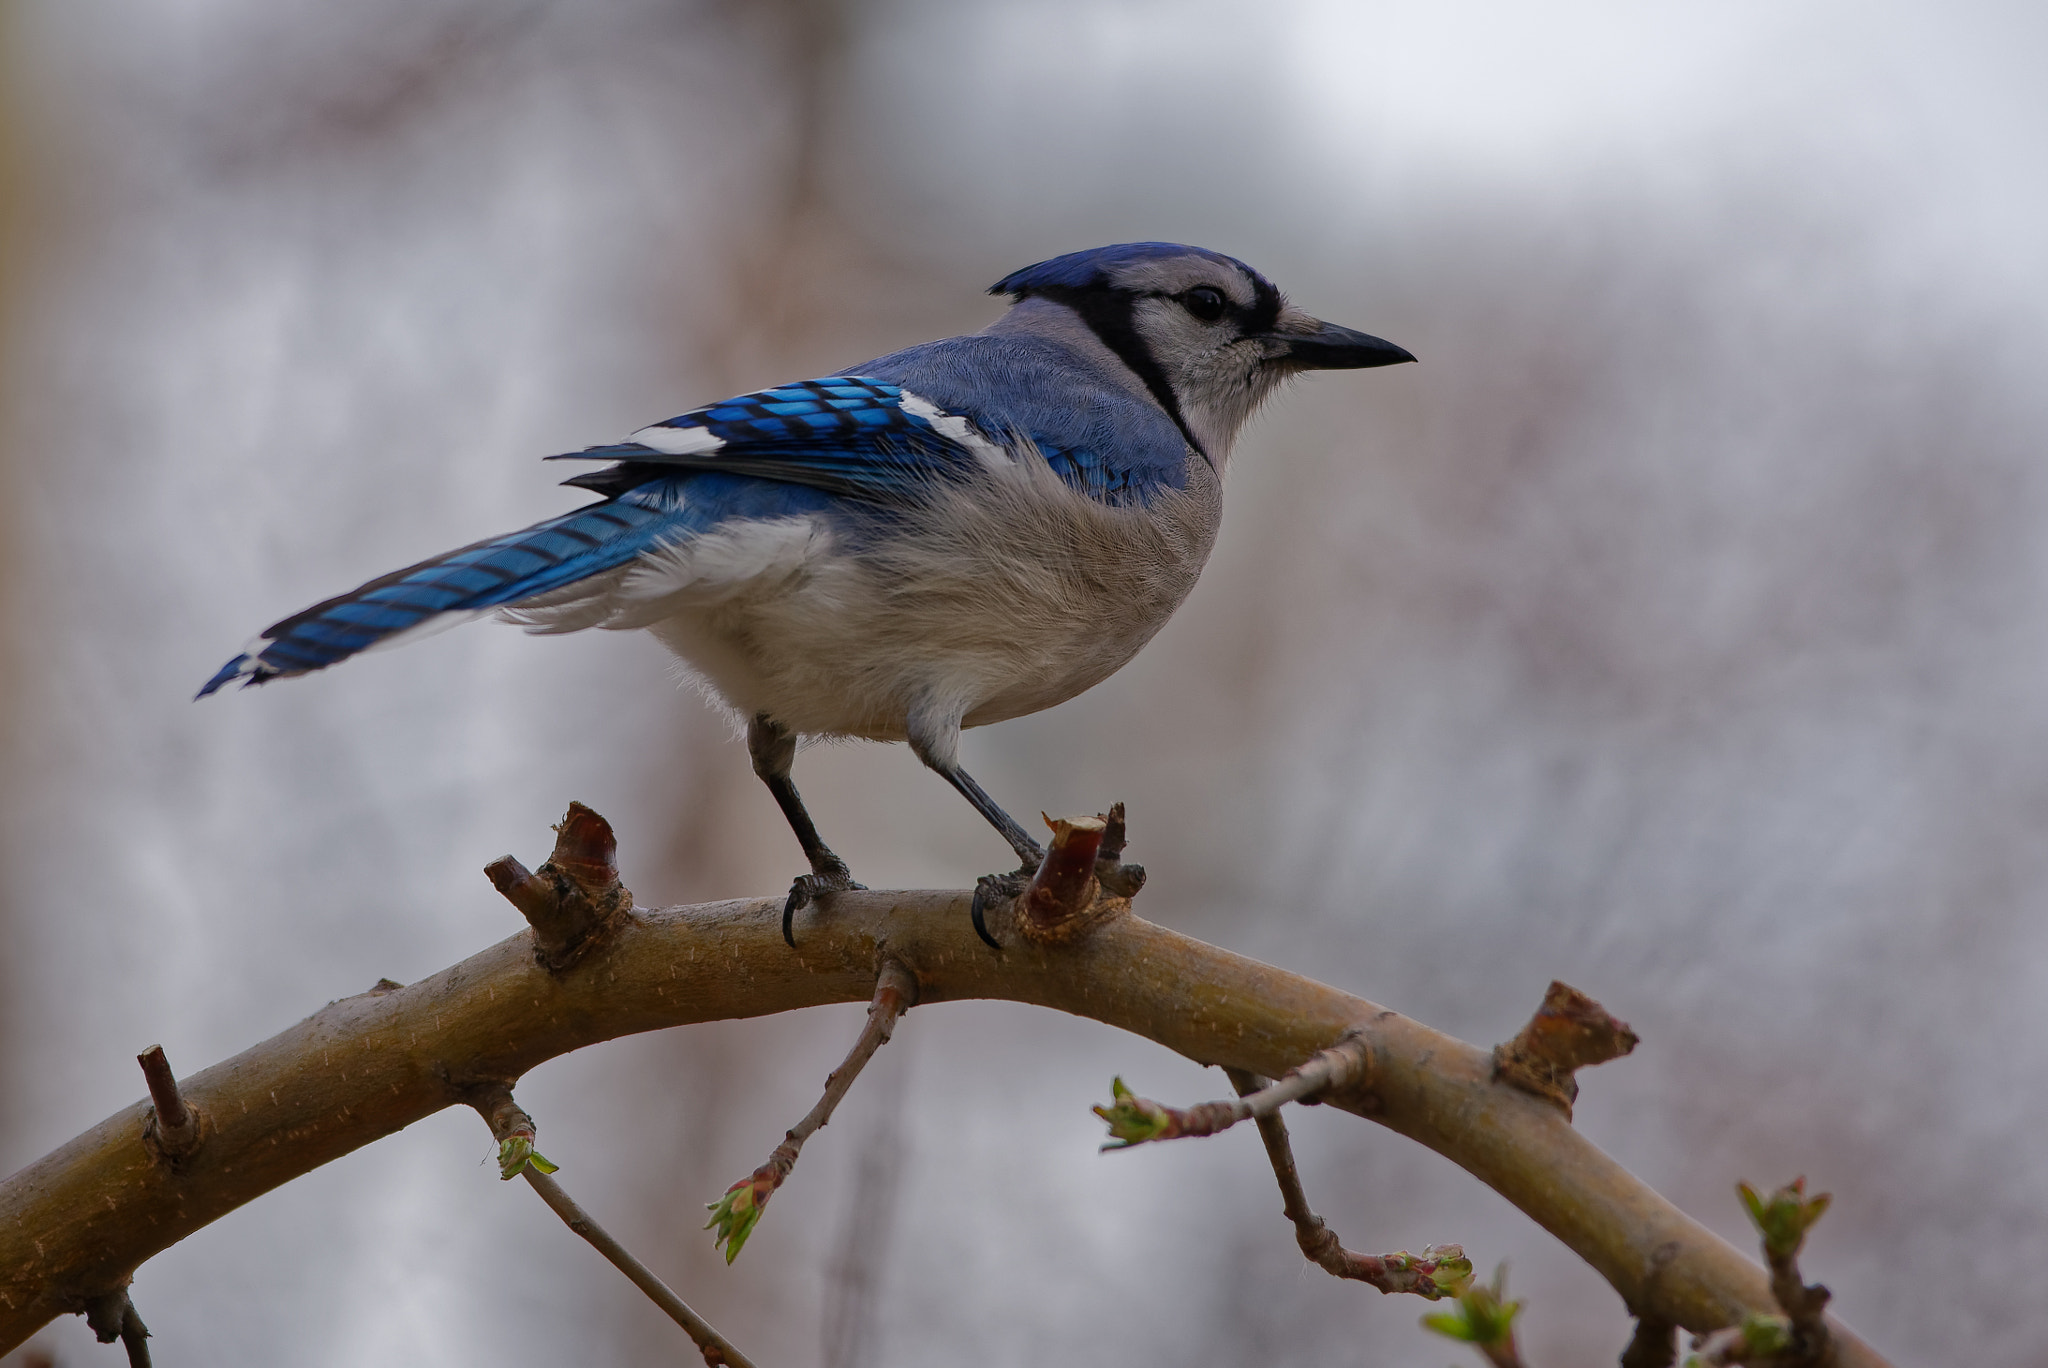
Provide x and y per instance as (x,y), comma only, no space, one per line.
(1004,597)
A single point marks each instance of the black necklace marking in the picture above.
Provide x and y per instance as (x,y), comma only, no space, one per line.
(1109,314)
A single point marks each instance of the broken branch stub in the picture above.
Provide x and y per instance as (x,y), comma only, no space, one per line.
(1570,1031)
(1118,879)
(1082,881)
(575,900)
(1064,887)
(172,1126)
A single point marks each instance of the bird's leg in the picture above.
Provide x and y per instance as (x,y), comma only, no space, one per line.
(773,748)
(1029,852)
(938,749)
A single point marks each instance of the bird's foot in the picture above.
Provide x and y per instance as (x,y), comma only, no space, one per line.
(992,890)
(809,888)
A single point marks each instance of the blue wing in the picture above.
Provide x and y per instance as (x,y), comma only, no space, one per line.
(936,412)
(848,434)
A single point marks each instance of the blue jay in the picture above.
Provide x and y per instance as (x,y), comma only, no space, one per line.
(956,534)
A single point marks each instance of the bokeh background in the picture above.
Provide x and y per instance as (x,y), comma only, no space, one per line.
(1678,628)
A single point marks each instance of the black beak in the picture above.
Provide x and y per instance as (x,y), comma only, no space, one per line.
(1335,348)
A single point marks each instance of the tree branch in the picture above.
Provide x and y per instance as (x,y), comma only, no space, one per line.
(76,1223)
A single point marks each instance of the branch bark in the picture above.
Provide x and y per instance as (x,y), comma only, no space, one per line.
(76,1223)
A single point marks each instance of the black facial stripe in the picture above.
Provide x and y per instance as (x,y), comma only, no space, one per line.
(1110,315)
(1264,312)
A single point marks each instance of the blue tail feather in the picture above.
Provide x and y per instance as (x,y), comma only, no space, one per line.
(461,584)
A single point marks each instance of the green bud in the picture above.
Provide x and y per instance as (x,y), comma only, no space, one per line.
(1764,1335)
(515,1152)
(1132,1119)
(1784,1217)
(1448,1268)
(735,1215)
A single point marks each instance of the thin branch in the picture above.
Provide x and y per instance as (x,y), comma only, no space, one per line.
(735,1214)
(1653,1345)
(514,1130)
(83,1217)
(113,1316)
(715,1347)
(1135,1120)
(1440,1270)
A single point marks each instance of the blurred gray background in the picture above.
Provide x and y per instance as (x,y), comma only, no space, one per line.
(1678,628)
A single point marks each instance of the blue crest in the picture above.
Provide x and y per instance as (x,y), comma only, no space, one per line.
(1096,268)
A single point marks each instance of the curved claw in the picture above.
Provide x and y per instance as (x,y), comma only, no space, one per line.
(980,923)
(992,888)
(796,899)
(807,889)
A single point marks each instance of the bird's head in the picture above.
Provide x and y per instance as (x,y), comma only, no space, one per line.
(1210,337)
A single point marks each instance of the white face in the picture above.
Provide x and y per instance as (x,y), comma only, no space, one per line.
(1209,331)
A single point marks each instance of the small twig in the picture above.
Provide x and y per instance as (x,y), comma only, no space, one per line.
(1653,1345)
(1799,1338)
(175,1125)
(1134,1120)
(575,900)
(1570,1031)
(735,1214)
(1439,1271)
(1782,1220)
(113,1317)
(717,1350)
(514,1130)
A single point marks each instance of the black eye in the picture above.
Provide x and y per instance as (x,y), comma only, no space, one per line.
(1204,303)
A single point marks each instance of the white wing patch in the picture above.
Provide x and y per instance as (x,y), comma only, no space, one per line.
(678,441)
(958,429)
